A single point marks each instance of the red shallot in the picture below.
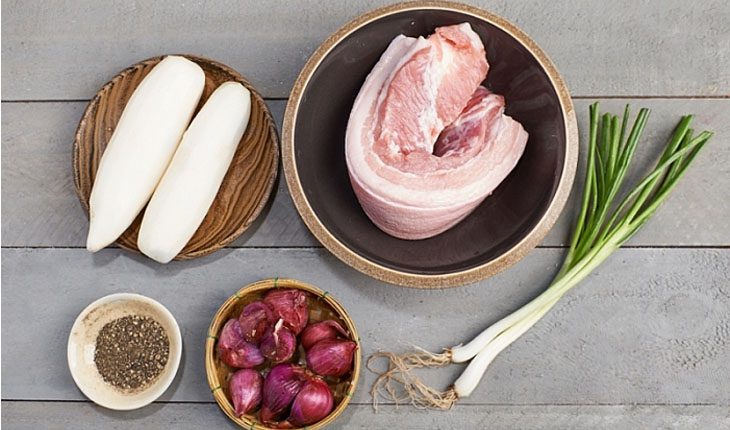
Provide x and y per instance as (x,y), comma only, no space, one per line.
(331,357)
(291,306)
(234,350)
(246,387)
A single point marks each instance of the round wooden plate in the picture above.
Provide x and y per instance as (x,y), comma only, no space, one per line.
(246,187)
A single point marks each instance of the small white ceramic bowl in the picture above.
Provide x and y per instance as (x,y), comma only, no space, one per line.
(82,344)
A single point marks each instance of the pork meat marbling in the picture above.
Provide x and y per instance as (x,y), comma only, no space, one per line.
(425,142)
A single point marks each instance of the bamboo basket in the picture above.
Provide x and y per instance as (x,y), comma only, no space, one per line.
(321,306)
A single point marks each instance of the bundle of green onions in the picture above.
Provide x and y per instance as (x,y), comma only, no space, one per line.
(601,228)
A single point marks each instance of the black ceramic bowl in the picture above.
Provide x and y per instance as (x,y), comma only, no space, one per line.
(505,226)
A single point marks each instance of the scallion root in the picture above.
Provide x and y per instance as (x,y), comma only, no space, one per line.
(400,384)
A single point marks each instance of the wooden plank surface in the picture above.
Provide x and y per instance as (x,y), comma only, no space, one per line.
(82,416)
(43,210)
(644,343)
(650,326)
(68,49)
(41,207)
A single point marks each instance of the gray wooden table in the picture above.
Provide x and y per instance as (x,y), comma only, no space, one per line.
(643,343)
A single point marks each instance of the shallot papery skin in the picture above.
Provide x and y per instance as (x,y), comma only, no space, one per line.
(322,330)
(246,388)
(278,343)
(291,306)
(312,404)
(255,318)
(234,350)
(281,386)
(331,357)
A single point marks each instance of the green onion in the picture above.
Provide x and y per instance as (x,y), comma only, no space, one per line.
(602,226)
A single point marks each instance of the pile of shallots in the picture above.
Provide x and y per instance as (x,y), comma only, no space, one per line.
(262,343)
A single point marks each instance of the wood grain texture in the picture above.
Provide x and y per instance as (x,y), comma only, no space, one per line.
(246,186)
(82,416)
(42,210)
(649,326)
(67,49)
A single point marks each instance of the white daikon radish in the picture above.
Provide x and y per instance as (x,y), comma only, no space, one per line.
(141,147)
(192,180)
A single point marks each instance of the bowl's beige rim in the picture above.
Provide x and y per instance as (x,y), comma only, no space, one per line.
(267,284)
(272,174)
(159,387)
(407,279)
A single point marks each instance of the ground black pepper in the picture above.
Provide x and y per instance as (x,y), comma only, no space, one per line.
(131,351)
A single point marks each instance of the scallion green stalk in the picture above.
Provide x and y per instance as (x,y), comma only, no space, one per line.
(601,228)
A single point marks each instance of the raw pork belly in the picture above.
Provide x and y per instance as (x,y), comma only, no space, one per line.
(425,142)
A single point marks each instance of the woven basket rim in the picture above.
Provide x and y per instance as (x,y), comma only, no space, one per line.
(219,319)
